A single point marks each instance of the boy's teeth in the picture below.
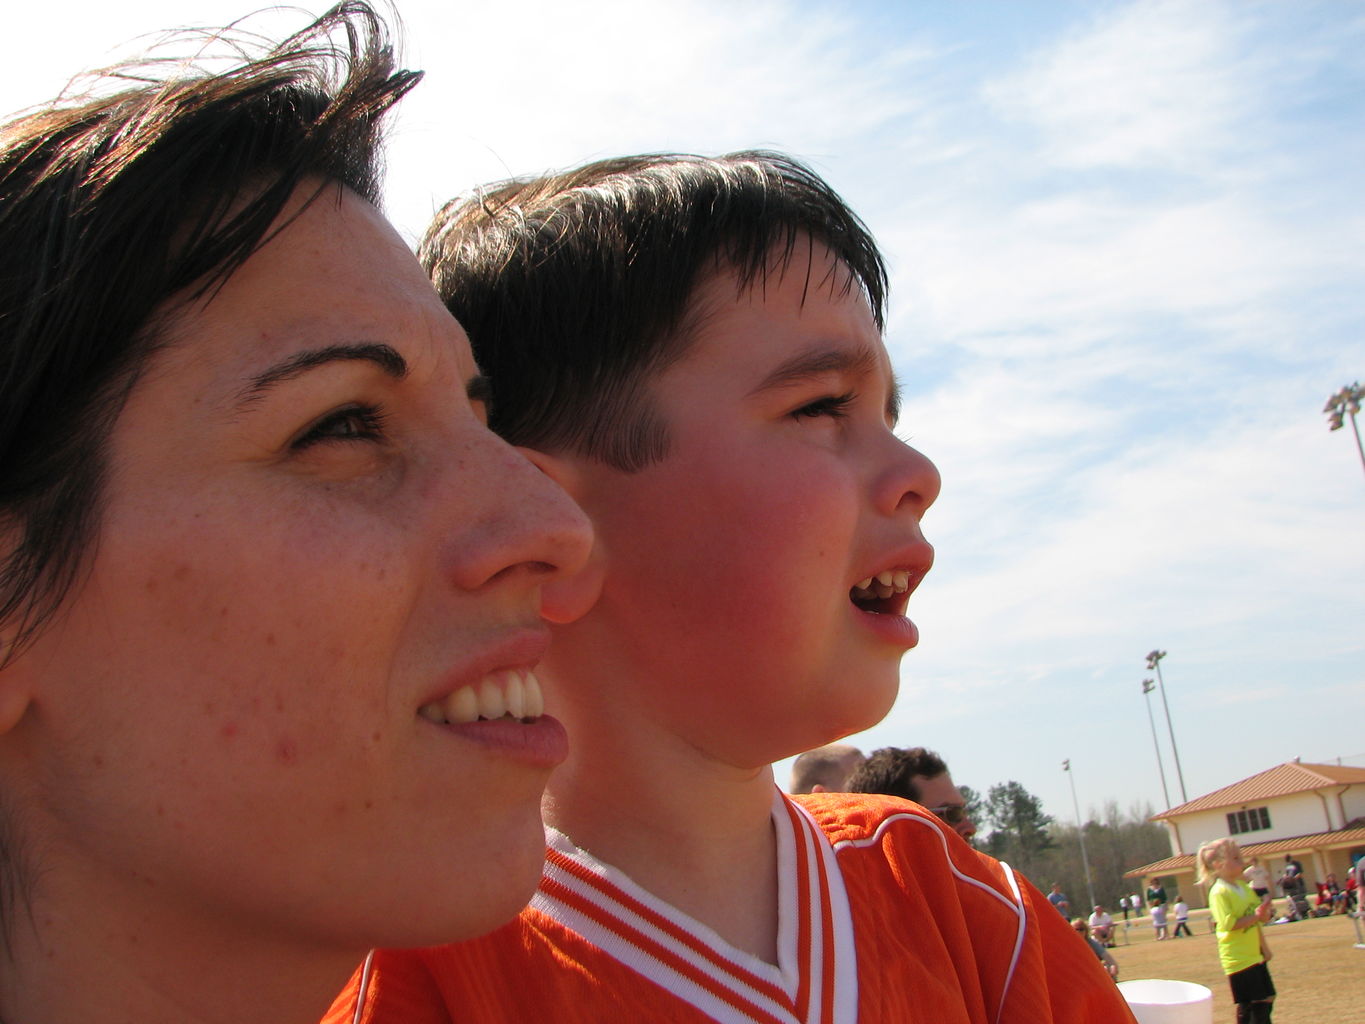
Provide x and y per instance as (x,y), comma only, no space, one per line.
(883,585)
(500,694)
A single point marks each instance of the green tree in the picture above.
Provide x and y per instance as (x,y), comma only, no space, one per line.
(1020,828)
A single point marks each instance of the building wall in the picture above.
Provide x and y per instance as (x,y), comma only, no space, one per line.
(1296,815)
(1353,801)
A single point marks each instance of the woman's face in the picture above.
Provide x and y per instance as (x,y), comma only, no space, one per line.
(308,540)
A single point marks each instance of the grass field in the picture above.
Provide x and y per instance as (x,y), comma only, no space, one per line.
(1318,972)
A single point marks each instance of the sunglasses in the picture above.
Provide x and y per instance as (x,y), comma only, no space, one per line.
(953,814)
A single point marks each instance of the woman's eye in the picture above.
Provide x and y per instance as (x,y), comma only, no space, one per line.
(353,423)
(829,405)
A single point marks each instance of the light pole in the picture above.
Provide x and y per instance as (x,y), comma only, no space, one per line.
(1154,662)
(1346,402)
(1148,685)
(1080,831)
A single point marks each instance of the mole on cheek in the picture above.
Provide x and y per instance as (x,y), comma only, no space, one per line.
(286,751)
(228,731)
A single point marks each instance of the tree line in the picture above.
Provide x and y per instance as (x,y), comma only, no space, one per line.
(1014,828)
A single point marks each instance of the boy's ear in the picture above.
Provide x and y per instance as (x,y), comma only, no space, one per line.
(569,597)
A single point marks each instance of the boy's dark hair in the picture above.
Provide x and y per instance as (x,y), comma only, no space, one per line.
(892,771)
(575,288)
(113,205)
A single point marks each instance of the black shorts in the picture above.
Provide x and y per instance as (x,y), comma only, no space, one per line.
(1252,984)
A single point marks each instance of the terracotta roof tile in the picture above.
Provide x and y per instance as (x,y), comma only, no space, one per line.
(1282,780)
(1352,835)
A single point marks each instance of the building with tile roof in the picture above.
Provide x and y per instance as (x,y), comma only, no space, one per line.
(1312,812)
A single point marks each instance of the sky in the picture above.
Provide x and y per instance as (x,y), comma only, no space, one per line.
(1127,247)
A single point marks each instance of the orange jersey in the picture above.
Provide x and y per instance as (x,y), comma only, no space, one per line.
(884,915)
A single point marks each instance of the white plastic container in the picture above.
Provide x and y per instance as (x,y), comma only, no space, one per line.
(1157,1001)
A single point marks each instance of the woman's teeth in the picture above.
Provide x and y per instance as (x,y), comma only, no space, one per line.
(883,585)
(506,693)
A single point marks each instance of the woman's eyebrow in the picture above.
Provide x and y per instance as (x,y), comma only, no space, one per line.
(385,357)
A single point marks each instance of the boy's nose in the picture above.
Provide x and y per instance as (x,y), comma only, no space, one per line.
(911,484)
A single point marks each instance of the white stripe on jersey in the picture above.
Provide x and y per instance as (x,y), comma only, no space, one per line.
(688,959)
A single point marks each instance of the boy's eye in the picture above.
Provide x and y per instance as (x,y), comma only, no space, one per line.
(829,405)
(352,423)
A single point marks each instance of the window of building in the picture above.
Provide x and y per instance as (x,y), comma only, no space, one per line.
(1248,820)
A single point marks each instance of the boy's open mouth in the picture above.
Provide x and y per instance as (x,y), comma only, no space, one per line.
(883,594)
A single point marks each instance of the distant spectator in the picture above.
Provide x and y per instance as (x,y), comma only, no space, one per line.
(1102,926)
(1331,895)
(1135,901)
(1125,906)
(919,775)
(1159,920)
(1156,892)
(1058,899)
(1292,882)
(1110,964)
(1182,919)
(1259,878)
(825,769)
(1358,880)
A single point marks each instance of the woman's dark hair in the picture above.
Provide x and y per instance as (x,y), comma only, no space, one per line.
(112,206)
(576,288)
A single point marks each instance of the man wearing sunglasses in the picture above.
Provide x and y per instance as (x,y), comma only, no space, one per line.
(919,775)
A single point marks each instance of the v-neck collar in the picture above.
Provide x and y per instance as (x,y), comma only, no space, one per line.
(815,980)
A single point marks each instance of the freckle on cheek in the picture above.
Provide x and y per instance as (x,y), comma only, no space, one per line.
(270,639)
(286,751)
(228,731)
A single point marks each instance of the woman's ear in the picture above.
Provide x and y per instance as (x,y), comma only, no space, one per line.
(15,691)
(570,596)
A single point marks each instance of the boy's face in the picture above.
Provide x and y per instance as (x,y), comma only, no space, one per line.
(730,565)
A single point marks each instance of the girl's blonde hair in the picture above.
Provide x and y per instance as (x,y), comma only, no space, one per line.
(1215,851)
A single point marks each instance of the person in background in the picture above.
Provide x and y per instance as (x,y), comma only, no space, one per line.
(1111,966)
(919,775)
(1058,899)
(1156,892)
(1238,916)
(825,769)
(1101,926)
(1159,921)
(1182,918)
(1259,878)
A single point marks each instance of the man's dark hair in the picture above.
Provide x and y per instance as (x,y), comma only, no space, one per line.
(892,770)
(575,288)
(117,205)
